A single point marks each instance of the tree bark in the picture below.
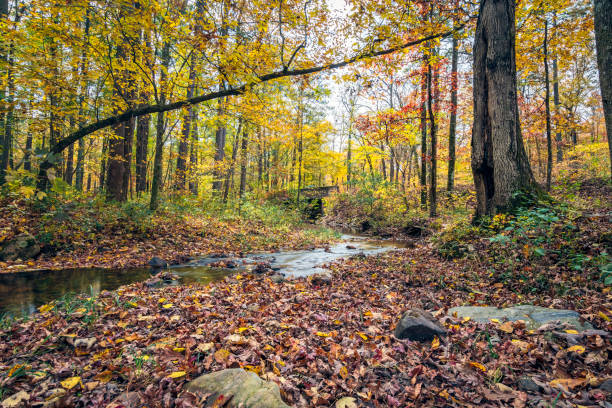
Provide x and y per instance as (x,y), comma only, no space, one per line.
(243,161)
(432,94)
(452,127)
(159,130)
(423,125)
(499,163)
(603,39)
(220,137)
(557,101)
(549,162)
(181,160)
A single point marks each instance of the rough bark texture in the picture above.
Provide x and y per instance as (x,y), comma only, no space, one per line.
(499,163)
(183,150)
(603,38)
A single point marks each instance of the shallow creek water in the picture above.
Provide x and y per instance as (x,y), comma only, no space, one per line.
(23,292)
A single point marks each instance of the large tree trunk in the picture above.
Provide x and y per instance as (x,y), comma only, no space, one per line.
(499,163)
(603,38)
(452,127)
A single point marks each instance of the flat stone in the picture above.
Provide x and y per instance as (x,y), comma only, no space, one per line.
(533,316)
(246,388)
(418,325)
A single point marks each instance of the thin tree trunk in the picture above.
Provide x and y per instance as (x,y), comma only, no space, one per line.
(423,125)
(499,163)
(220,136)
(432,82)
(181,160)
(193,155)
(452,127)
(230,170)
(243,161)
(159,129)
(603,39)
(549,151)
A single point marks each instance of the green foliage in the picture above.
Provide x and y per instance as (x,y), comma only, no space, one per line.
(606,274)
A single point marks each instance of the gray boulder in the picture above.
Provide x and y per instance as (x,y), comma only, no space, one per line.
(23,246)
(533,316)
(245,387)
(418,325)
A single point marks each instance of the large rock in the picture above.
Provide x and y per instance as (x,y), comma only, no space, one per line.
(533,316)
(418,325)
(23,246)
(247,389)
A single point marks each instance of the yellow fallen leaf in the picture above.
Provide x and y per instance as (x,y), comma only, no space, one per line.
(568,382)
(572,331)
(70,383)
(604,316)
(323,334)
(495,321)
(503,387)
(167,305)
(478,366)
(179,349)
(242,329)
(346,402)
(444,394)
(162,300)
(45,308)
(343,372)
(362,335)
(221,355)
(435,343)
(466,319)
(104,377)
(506,327)
(177,374)
(577,349)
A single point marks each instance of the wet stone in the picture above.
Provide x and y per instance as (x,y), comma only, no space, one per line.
(418,325)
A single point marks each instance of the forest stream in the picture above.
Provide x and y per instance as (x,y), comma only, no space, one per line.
(22,293)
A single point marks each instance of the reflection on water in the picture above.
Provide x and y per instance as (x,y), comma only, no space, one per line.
(22,293)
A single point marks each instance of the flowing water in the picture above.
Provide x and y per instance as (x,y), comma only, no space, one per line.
(23,292)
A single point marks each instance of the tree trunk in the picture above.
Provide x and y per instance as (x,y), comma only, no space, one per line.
(603,39)
(83,69)
(499,163)
(432,82)
(181,160)
(193,155)
(549,162)
(423,125)
(557,102)
(159,129)
(243,161)
(452,127)
(230,171)
(142,147)
(220,136)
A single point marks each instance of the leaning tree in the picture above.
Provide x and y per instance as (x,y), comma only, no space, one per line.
(499,163)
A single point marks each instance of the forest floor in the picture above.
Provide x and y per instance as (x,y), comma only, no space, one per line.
(322,341)
(86,232)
